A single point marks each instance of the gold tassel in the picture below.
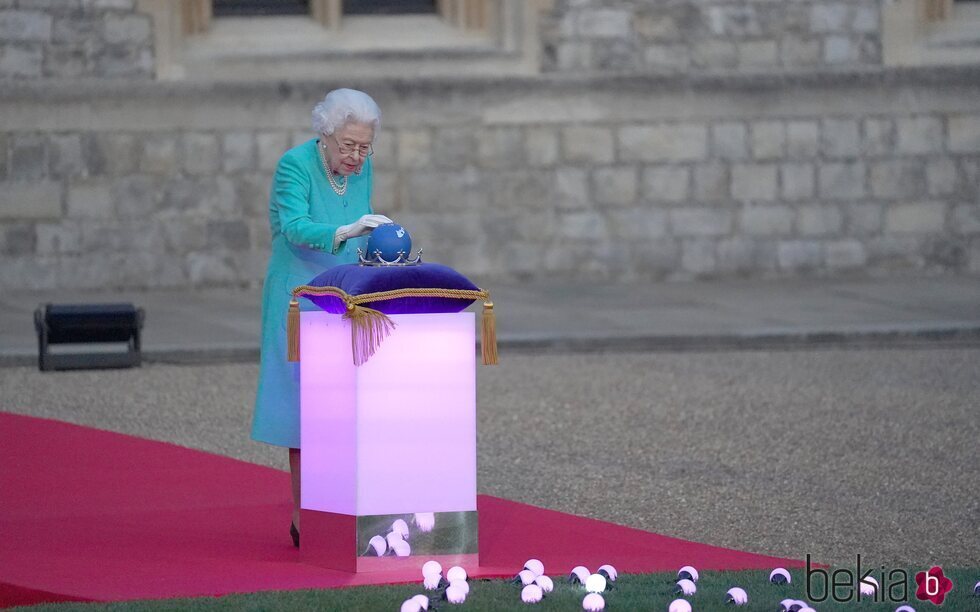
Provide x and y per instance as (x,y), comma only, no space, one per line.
(368,329)
(292,331)
(488,340)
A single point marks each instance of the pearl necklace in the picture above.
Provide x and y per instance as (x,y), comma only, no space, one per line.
(339,187)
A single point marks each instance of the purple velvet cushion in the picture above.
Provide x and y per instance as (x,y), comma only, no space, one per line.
(358,280)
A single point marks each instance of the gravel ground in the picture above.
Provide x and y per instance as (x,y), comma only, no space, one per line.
(831,453)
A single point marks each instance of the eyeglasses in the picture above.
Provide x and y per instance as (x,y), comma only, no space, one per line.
(345,149)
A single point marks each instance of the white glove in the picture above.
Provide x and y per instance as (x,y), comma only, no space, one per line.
(362,226)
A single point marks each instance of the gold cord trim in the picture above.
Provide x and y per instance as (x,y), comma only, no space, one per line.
(369,327)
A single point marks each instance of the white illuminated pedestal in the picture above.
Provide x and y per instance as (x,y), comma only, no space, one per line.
(388,439)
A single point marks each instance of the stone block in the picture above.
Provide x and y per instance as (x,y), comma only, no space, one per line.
(28,157)
(209,268)
(118,28)
(663,142)
(125,61)
(581,225)
(964,133)
(700,221)
(920,218)
(501,147)
(800,51)
(587,144)
(65,157)
(201,154)
(798,181)
(654,258)
(385,148)
(615,186)
(698,256)
(840,138)
(714,53)
(136,196)
(232,234)
(237,152)
(795,255)
(572,188)
(666,183)
(941,176)
(675,57)
(657,25)
(863,219)
(90,199)
(845,254)
(637,223)
(768,139)
(828,17)
(526,191)
(21,60)
(57,238)
(711,183)
(841,181)
(920,135)
(729,140)
(183,234)
(25,26)
(17,239)
(618,54)
(841,50)
(114,154)
(879,136)
(897,178)
(802,139)
(604,23)
(159,156)
(966,219)
(766,220)
(76,28)
(272,145)
(67,61)
(741,254)
(414,148)
(541,146)
(574,56)
(819,221)
(754,182)
(758,53)
(865,19)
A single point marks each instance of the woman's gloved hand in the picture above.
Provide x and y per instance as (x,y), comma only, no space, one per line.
(361,227)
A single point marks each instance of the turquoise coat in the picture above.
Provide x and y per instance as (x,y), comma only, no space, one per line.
(304,214)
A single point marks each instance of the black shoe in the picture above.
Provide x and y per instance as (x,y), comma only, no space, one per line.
(294,534)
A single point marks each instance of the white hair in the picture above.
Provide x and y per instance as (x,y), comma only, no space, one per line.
(343,105)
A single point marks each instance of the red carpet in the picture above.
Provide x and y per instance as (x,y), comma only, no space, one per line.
(93,515)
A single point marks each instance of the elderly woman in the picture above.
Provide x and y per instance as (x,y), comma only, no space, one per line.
(319,213)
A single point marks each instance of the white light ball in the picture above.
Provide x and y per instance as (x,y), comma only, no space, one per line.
(547,584)
(432,582)
(579,574)
(379,545)
(532,593)
(737,596)
(431,567)
(393,537)
(527,577)
(869,589)
(687,587)
(425,521)
(401,527)
(410,605)
(455,573)
(402,548)
(455,594)
(596,583)
(461,584)
(692,573)
(422,600)
(593,602)
(535,566)
(780,576)
(679,605)
(904,609)
(608,571)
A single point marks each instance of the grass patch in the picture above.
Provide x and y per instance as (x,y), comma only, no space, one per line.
(631,592)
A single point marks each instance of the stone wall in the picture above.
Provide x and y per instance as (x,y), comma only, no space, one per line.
(46,39)
(698,35)
(593,177)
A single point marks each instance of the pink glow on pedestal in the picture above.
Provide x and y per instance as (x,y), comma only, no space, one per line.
(397,434)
